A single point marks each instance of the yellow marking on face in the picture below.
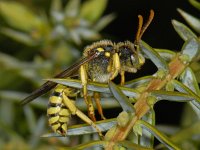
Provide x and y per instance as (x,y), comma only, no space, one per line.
(107,54)
(100,49)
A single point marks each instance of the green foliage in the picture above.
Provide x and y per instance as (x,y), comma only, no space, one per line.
(48,41)
(90,6)
(139,118)
(20,17)
(54,40)
(194,23)
(195,3)
(39,41)
(59,35)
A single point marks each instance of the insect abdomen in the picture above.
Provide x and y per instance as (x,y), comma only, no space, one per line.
(58,113)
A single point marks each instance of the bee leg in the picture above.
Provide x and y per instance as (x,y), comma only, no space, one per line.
(116,66)
(75,111)
(122,78)
(98,104)
(88,101)
(91,112)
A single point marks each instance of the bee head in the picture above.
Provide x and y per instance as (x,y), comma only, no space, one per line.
(130,58)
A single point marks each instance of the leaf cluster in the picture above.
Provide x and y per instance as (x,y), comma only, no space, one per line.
(34,43)
(58,36)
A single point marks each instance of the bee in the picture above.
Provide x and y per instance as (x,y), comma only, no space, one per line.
(101,62)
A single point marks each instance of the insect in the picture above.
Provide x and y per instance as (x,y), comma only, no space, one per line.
(101,62)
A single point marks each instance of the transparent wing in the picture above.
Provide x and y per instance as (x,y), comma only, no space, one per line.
(47,86)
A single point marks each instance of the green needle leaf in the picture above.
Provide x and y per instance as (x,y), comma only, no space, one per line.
(191,48)
(31,118)
(18,16)
(147,139)
(72,8)
(88,145)
(172,96)
(183,88)
(138,82)
(94,86)
(56,6)
(133,146)
(104,21)
(40,127)
(166,54)
(82,129)
(121,98)
(19,36)
(93,9)
(160,136)
(154,56)
(191,20)
(184,32)
(17,97)
(187,133)
(195,3)
(188,78)
(106,103)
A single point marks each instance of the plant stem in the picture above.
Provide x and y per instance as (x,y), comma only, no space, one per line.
(176,67)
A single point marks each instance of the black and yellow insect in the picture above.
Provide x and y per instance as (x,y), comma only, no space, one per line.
(102,61)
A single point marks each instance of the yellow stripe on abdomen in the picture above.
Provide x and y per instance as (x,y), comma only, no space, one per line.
(58,113)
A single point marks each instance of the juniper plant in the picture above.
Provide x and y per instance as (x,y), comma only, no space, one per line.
(134,127)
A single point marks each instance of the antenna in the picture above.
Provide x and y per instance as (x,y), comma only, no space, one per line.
(142,28)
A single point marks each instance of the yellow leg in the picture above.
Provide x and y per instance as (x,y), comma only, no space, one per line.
(98,104)
(122,78)
(75,111)
(88,101)
(84,78)
(116,66)
(91,112)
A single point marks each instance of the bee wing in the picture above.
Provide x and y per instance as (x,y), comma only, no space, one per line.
(47,86)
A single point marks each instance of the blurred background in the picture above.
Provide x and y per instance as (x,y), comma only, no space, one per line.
(39,38)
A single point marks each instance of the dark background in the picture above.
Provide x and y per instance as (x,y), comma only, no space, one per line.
(160,34)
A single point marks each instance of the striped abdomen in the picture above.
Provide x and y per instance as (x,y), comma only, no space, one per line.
(58,114)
